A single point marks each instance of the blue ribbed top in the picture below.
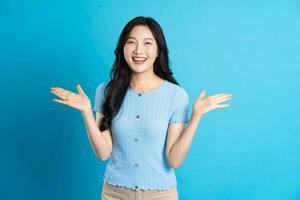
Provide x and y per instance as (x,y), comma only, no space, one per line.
(139,132)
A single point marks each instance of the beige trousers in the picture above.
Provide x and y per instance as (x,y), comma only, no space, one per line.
(111,192)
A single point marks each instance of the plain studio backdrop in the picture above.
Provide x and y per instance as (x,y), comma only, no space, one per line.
(248,151)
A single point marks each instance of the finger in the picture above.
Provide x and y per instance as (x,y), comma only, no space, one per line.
(60,101)
(201,96)
(80,90)
(218,102)
(59,89)
(219,95)
(222,105)
(223,98)
(220,98)
(57,93)
(63,91)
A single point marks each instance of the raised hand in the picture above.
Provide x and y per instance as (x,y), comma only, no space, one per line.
(204,104)
(78,101)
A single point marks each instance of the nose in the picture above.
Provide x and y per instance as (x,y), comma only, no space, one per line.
(138,49)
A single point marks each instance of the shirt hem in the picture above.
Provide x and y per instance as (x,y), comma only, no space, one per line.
(142,189)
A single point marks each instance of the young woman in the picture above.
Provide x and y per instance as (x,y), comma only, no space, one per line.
(141,115)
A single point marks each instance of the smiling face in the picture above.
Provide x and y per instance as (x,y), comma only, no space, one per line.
(140,49)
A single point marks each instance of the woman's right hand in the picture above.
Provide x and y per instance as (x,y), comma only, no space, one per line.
(78,101)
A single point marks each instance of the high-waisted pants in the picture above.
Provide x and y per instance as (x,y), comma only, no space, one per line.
(111,192)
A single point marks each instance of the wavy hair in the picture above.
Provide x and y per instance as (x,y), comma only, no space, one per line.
(120,73)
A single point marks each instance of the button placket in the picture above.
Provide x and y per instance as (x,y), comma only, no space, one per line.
(137,115)
(136,139)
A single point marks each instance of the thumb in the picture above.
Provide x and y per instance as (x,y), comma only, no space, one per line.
(80,90)
(202,95)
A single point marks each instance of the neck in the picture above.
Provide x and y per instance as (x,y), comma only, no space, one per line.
(144,81)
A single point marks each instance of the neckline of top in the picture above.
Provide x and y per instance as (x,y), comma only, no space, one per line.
(150,91)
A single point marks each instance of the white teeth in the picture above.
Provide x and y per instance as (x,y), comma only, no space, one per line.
(138,58)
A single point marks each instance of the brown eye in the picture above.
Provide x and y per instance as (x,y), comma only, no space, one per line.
(130,42)
(148,43)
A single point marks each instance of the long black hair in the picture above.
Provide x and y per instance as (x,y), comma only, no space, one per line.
(120,74)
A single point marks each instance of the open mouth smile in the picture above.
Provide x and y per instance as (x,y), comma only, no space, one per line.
(139,60)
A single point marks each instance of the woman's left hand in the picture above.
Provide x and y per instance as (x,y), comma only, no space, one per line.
(205,104)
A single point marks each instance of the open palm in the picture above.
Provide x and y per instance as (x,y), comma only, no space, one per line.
(78,101)
(204,104)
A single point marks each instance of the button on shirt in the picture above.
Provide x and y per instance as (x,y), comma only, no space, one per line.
(139,132)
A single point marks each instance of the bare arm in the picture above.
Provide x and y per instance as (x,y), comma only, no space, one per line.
(180,138)
(101,142)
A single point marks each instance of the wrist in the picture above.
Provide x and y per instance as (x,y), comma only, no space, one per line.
(87,112)
(197,116)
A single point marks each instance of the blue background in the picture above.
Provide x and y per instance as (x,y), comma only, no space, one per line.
(250,49)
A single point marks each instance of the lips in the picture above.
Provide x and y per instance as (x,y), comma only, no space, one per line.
(139,60)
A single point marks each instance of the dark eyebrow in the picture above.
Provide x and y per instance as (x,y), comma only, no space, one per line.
(144,38)
(148,39)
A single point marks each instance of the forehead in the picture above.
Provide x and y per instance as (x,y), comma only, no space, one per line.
(141,32)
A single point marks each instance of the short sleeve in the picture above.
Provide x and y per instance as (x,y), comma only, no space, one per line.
(99,97)
(180,107)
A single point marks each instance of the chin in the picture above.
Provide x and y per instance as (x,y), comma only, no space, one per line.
(139,69)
